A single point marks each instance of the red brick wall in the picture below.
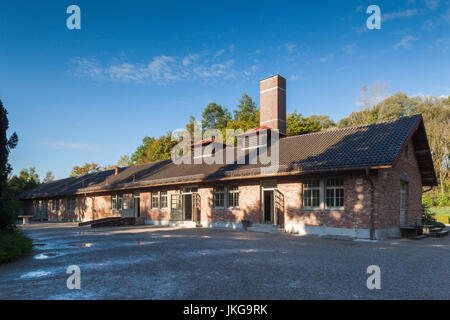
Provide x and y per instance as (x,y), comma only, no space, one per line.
(389,188)
(155,214)
(249,205)
(356,212)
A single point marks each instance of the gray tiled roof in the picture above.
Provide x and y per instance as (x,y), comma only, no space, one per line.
(373,145)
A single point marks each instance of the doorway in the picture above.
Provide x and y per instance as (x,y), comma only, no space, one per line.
(137,206)
(403,188)
(268,207)
(187,206)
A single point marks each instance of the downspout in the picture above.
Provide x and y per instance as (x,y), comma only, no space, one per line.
(372,205)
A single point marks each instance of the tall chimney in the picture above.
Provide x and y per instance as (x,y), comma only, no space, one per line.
(273,103)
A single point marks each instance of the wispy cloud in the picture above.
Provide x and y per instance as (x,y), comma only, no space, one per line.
(446,15)
(326,58)
(73,146)
(290,47)
(163,69)
(404,42)
(432,4)
(402,14)
(349,48)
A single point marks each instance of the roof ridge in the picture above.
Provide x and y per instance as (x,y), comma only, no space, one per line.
(353,127)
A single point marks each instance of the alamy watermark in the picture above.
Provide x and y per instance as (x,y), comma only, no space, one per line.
(74,20)
(74,280)
(374,280)
(255,147)
(374,20)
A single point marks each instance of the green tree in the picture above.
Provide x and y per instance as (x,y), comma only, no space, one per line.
(49,177)
(153,149)
(296,124)
(85,169)
(7,217)
(246,116)
(143,151)
(124,161)
(27,180)
(215,116)
(324,121)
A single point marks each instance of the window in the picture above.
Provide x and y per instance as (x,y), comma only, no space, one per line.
(55,204)
(155,199)
(219,197)
(335,193)
(127,202)
(71,204)
(233,196)
(311,193)
(116,202)
(163,199)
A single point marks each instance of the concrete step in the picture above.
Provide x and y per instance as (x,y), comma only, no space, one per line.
(266,228)
(438,234)
(183,224)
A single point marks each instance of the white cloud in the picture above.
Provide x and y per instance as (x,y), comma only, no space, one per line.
(290,47)
(162,69)
(403,14)
(326,58)
(73,146)
(405,42)
(349,48)
(220,52)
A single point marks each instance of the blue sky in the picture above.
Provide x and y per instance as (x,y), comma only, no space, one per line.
(141,68)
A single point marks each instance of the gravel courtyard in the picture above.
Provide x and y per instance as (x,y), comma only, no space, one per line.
(147,262)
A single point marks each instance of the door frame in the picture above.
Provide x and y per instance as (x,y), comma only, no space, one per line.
(137,196)
(403,202)
(263,207)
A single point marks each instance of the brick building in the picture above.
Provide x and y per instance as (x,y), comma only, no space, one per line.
(363,182)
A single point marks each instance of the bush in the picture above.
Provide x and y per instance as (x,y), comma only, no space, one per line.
(13,245)
(427,215)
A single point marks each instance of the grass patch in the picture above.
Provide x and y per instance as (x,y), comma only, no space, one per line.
(442,214)
(440,210)
(444,218)
(13,245)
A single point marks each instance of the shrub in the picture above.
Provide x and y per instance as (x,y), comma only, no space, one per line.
(13,245)
(7,217)
(427,215)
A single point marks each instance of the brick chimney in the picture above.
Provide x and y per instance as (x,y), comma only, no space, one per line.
(273,103)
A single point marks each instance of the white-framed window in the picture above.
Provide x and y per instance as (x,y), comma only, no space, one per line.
(325,193)
(117,202)
(233,196)
(219,197)
(311,193)
(55,205)
(334,193)
(155,200)
(163,201)
(71,204)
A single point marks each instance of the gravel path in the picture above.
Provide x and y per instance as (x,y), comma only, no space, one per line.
(147,262)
